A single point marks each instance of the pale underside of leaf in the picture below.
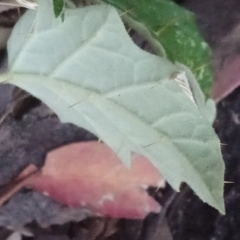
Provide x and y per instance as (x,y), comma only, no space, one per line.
(165,23)
(95,77)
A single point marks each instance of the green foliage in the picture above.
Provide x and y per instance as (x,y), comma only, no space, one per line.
(88,70)
(58,7)
(175,28)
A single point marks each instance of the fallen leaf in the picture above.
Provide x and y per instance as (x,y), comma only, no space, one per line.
(92,176)
(226,79)
(226,62)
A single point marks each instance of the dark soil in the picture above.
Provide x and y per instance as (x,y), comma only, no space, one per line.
(189,218)
(29,130)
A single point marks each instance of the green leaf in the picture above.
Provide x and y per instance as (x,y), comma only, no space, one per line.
(175,28)
(88,70)
(58,7)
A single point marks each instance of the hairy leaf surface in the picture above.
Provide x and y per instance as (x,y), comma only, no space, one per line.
(175,29)
(88,70)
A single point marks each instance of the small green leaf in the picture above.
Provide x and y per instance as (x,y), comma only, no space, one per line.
(58,7)
(175,28)
(91,74)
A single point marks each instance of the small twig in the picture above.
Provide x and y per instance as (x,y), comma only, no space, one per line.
(11,108)
(27,4)
(5,115)
(10,4)
(151,230)
(18,183)
(125,12)
(166,207)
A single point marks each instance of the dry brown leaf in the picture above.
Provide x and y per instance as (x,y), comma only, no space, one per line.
(226,62)
(90,175)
